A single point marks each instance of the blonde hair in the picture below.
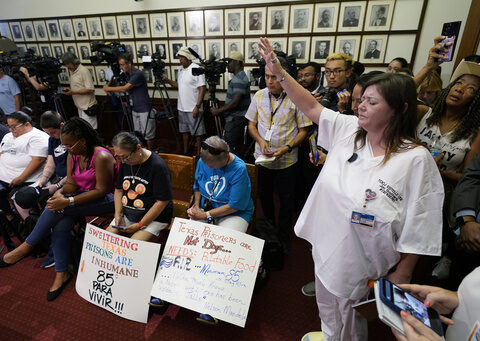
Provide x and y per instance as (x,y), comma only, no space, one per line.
(341,56)
(432,81)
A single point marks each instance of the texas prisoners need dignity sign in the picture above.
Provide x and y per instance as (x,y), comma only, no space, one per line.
(117,273)
(209,269)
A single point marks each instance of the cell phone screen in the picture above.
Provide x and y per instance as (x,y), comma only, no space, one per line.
(410,304)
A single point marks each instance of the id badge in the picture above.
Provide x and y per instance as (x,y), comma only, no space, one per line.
(362,219)
(475,332)
(42,98)
(268,135)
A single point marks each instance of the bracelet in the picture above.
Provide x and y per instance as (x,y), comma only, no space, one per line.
(72,201)
(140,224)
(283,77)
(58,185)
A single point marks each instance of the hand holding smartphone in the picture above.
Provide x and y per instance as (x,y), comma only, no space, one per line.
(313,148)
(119,227)
(450,30)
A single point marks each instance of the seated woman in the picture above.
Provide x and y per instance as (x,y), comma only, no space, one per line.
(23,152)
(222,187)
(91,170)
(143,194)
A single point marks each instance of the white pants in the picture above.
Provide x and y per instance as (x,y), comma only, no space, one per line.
(90,119)
(339,320)
(233,222)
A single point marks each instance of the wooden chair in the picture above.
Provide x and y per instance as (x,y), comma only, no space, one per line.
(253,175)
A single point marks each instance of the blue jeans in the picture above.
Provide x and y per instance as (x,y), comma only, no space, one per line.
(62,223)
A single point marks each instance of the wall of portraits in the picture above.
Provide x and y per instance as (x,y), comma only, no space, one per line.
(372,32)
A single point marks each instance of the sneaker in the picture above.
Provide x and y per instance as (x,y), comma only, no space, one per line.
(47,262)
(156,302)
(442,268)
(313,336)
(205,318)
(309,289)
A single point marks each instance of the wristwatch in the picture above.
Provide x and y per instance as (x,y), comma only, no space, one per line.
(72,201)
(289,148)
(463,220)
(209,217)
(198,106)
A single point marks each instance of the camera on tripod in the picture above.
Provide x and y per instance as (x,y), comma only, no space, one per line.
(212,68)
(154,63)
(109,52)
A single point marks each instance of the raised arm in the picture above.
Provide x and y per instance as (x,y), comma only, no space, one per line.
(299,95)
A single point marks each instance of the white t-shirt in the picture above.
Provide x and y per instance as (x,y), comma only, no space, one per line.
(467,314)
(17,154)
(188,85)
(407,209)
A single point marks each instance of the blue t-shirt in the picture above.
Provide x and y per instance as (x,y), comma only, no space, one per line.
(238,85)
(231,184)
(139,92)
(59,154)
(8,89)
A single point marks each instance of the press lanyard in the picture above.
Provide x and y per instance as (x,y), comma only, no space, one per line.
(272,113)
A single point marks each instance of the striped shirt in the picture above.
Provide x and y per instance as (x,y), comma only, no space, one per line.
(238,85)
(286,122)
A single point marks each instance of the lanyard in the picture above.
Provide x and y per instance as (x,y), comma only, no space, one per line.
(272,113)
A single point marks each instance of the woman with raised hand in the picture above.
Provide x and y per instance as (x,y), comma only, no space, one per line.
(376,205)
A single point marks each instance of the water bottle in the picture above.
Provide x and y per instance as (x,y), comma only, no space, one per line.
(435,148)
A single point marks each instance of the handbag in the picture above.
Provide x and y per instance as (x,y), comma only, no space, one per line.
(93,110)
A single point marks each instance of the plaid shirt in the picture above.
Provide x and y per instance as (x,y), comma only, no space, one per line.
(286,123)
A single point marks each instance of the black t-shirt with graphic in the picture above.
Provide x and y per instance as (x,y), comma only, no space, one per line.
(143,185)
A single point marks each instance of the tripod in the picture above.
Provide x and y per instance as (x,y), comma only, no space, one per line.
(57,102)
(213,103)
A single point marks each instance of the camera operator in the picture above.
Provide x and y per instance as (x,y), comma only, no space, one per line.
(191,90)
(43,89)
(137,88)
(81,89)
(9,94)
(236,102)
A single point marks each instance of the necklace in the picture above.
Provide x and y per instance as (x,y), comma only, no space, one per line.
(138,170)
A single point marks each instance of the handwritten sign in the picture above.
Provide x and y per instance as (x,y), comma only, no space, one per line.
(116,273)
(209,269)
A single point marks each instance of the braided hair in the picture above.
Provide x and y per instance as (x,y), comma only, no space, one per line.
(469,123)
(80,129)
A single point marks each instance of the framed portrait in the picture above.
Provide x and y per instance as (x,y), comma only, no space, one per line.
(63,76)
(16,29)
(161,47)
(94,28)
(351,16)
(40,30)
(277,20)
(194,23)
(234,22)
(321,48)
(22,48)
(57,50)
(144,48)
(34,48)
(109,28)
(299,47)
(379,15)
(255,20)
(91,69)
(148,75)
(158,24)
(168,74)
(28,31)
(84,52)
(71,47)
(373,48)
(214,22)
(5,30)
(326,17)
(350,45)
(66,28)
(53,29)
(176,24)
(214,48)
(80,28)
(279,44)
(101,74)
(251,50)
(254,82)
(131,49)
(233,45)
(301,18)
(125,27)
(141,26)
(44,50)
(198,46)
(175,46)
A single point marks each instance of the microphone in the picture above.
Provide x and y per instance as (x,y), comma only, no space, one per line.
(353,157)
(195,54)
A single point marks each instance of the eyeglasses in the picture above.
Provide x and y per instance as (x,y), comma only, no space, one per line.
(122,158)
(211,150)
(306,75)
(13,128)
(335,72)
(70,148)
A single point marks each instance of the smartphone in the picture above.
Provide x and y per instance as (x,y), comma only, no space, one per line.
(450,30)
(120,227)
(313,147)
(397,299)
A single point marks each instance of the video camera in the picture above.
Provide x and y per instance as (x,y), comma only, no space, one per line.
(259,73)
(212,68)
(109,52)
(154,63)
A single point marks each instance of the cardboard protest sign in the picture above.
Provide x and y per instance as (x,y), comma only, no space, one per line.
(209,269)
(117,273)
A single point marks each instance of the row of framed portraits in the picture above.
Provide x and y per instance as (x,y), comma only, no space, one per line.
(367,48)
(289,19)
